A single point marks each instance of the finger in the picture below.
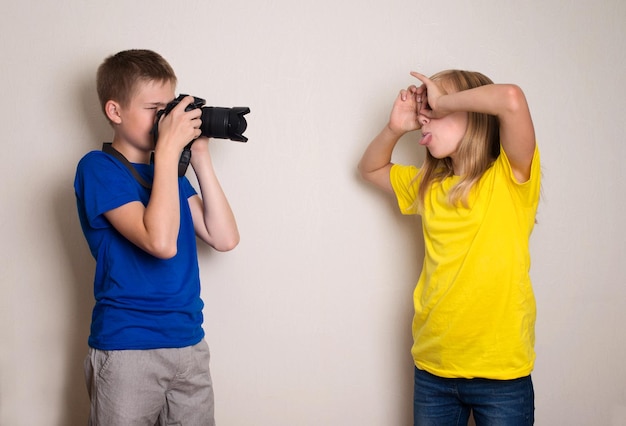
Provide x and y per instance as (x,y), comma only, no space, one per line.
(184,103)
(425,110)
(410,92)
(403,95)
(196,113)
(420,77)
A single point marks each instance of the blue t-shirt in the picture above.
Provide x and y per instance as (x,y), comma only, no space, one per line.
(142,302)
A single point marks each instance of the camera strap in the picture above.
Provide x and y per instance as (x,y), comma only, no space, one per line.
(107,147)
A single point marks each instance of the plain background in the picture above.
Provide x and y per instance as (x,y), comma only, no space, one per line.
(309,318)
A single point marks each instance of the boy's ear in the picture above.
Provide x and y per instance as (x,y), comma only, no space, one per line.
(112,110)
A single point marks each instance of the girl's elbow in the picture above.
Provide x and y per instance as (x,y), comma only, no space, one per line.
(359,167)
(364,173)
(516,100)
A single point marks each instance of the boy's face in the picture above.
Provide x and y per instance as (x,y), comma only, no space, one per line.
(138,117)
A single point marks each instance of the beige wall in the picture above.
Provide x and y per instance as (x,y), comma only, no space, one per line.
(309,318)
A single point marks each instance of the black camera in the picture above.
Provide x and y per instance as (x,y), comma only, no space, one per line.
(217,122)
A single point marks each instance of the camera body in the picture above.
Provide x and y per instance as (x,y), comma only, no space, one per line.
(217,122)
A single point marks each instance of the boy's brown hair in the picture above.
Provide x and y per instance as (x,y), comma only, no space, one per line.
(118,75)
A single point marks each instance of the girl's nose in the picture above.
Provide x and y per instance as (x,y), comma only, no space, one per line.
(422,119)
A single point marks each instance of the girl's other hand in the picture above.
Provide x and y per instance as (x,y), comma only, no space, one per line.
(404,114)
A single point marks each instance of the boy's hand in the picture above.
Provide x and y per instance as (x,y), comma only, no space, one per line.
(180,127)
(200,146)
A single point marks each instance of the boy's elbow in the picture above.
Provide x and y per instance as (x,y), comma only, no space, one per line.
(163,251)
(227,244)
(166,254)
(225,241)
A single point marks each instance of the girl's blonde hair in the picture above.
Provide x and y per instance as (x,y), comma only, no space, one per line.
(478,149)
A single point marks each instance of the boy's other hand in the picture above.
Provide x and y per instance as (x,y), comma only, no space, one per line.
(179,127)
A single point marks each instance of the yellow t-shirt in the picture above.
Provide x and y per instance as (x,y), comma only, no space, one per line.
(474,304)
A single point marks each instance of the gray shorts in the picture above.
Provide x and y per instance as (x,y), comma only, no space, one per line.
(150,387)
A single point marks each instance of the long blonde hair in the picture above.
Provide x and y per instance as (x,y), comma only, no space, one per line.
(477,150)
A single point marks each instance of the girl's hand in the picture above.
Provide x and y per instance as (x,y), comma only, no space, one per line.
(404,114)
(428,95)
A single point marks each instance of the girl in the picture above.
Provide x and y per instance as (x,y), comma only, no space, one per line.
(477,193)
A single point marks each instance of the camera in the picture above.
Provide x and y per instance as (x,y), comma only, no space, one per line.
(217,122)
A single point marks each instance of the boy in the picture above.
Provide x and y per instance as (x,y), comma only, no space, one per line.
(148,361)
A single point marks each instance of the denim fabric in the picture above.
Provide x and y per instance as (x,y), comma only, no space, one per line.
(439,401)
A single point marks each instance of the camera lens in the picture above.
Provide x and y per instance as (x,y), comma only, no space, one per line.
(224,123)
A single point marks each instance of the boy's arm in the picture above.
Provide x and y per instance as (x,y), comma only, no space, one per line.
(213,218)
(376,164)
(505,101)
(154,228)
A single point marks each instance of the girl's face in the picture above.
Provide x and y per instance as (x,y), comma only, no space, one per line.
(442,136)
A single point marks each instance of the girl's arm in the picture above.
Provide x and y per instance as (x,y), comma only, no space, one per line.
(213,218)
(376,161)
(505,101)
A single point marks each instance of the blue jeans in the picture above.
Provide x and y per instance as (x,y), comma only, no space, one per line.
(439,401)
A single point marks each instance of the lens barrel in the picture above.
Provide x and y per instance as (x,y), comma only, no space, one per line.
(224,123)
(217,122)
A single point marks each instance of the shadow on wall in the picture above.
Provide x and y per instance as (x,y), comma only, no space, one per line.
(407,151)
(76,402)
(75,410)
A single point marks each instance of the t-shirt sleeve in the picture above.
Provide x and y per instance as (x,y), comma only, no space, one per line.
(103,184)
(405,187)
(187,190)
(529,191)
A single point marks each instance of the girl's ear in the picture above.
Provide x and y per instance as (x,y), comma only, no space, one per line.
(112,110)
